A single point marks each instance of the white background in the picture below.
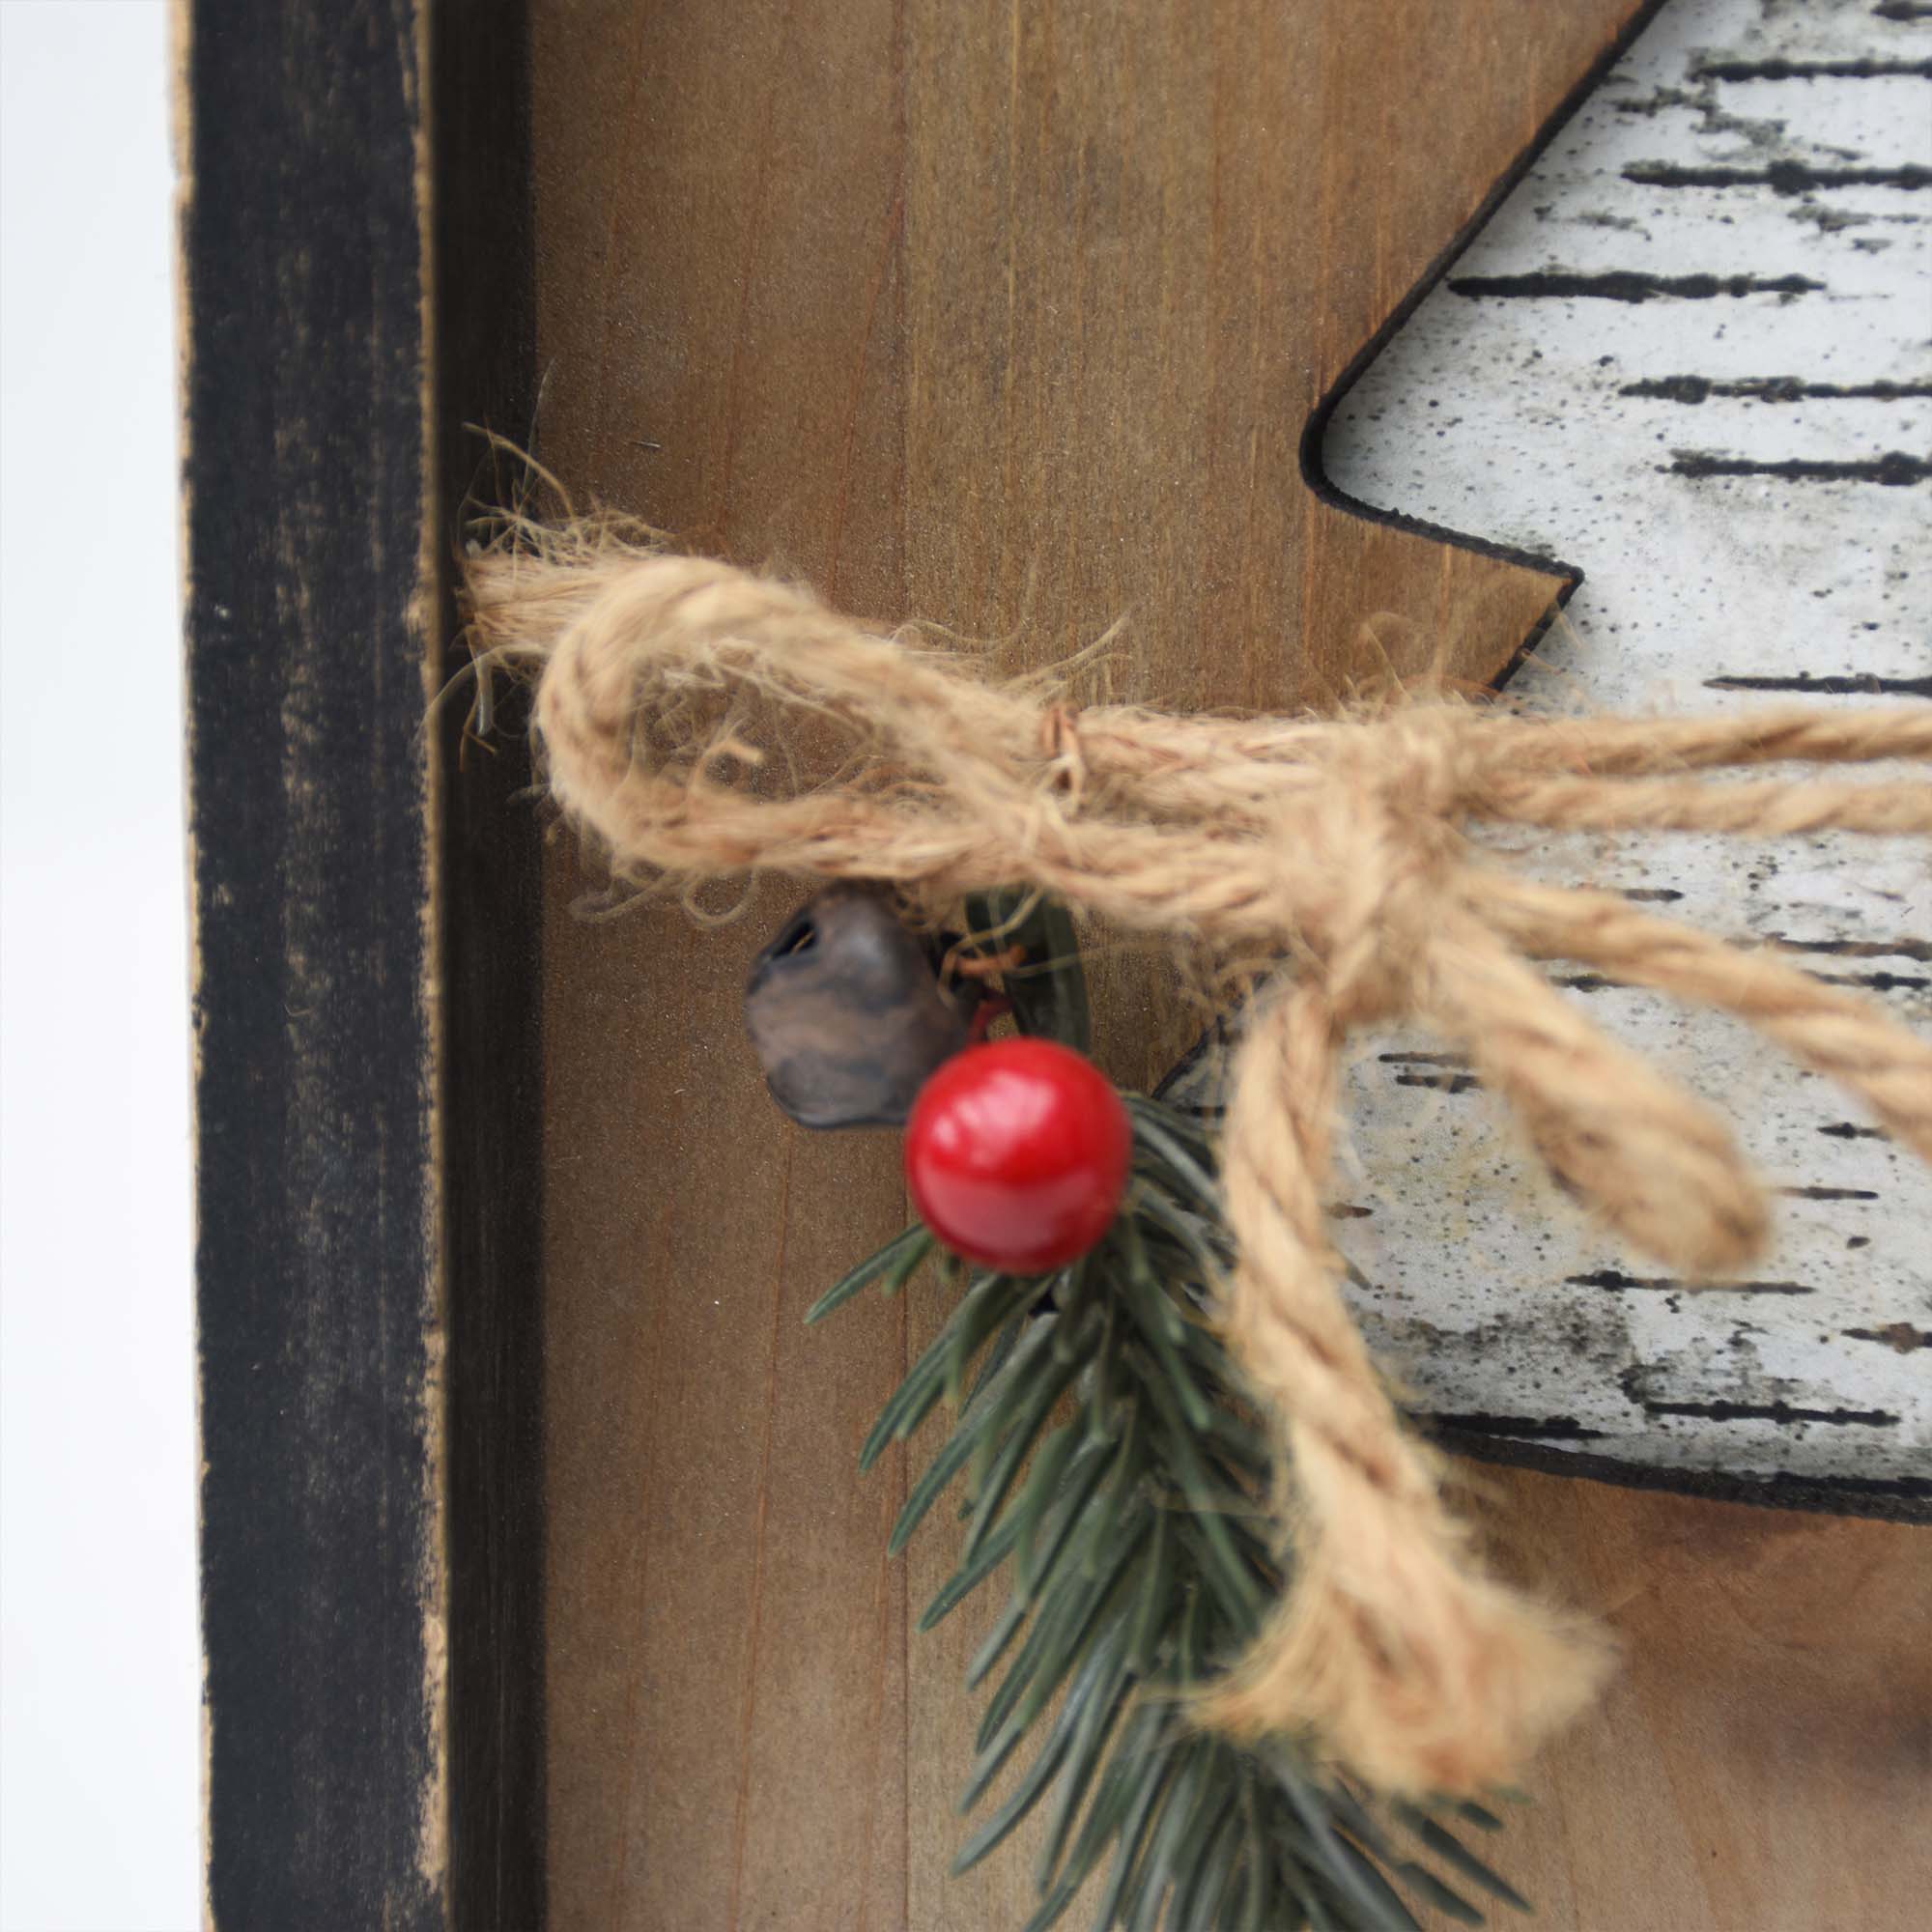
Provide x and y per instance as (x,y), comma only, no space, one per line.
(99,1721)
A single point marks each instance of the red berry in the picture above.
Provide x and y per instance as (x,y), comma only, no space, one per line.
(1017,1154)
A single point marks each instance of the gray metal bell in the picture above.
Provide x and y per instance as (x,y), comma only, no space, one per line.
(846,1012)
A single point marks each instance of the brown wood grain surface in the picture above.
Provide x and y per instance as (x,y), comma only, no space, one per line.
(1011,320)
(1763,1759)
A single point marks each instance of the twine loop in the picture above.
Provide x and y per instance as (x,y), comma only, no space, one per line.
(703,723)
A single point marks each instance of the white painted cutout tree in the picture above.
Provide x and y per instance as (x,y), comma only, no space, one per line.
(1690,354)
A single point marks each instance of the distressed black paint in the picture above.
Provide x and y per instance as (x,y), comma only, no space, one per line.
(317,1274)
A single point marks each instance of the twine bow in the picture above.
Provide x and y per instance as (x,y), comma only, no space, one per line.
(703,723)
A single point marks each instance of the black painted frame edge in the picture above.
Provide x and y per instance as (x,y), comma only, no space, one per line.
(316,871)
(379,1080)
(483,353)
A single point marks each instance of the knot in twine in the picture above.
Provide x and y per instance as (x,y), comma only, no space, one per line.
(703,723)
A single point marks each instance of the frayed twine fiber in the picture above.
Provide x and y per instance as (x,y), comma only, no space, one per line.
(705,723)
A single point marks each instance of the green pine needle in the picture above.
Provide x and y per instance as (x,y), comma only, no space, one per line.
(1118,1481)
(896,1262)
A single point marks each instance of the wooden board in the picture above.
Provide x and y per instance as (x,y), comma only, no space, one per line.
(1762,1759)
(740,1727)
(1016,322)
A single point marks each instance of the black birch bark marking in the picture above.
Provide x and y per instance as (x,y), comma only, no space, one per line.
(1855,684)
(1783,1413)
(1899,1335)
(1628,285)
(1620,1283)
(1877,982)
(1858,949)
(1530,1428)
(1694,389)
(1868,67)
(1896,468)
(1788,177)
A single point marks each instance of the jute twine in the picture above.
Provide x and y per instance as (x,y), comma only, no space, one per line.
(705,723)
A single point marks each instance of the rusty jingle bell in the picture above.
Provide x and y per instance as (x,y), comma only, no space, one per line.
(847,1013)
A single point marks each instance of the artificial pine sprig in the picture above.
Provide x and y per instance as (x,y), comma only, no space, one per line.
(1118,1482)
